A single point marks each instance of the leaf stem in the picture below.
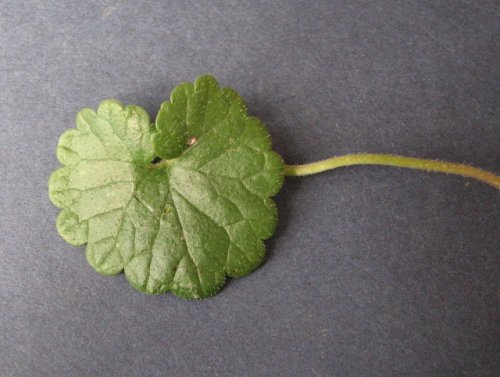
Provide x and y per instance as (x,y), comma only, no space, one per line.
(392,160)
(162,163)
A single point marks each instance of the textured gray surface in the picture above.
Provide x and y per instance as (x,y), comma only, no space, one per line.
(373,271)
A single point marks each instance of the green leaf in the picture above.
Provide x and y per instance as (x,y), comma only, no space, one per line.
(181,224)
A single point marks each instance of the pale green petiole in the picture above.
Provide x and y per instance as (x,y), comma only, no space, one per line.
(391,160)
(162,163)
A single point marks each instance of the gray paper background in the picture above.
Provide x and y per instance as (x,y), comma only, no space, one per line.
(373,271)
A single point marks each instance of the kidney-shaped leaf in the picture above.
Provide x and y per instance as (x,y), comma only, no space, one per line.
(183,223)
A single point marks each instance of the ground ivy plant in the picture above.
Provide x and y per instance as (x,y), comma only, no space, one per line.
(182,204)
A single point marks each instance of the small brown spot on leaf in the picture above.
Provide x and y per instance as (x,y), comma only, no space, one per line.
(191,140)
